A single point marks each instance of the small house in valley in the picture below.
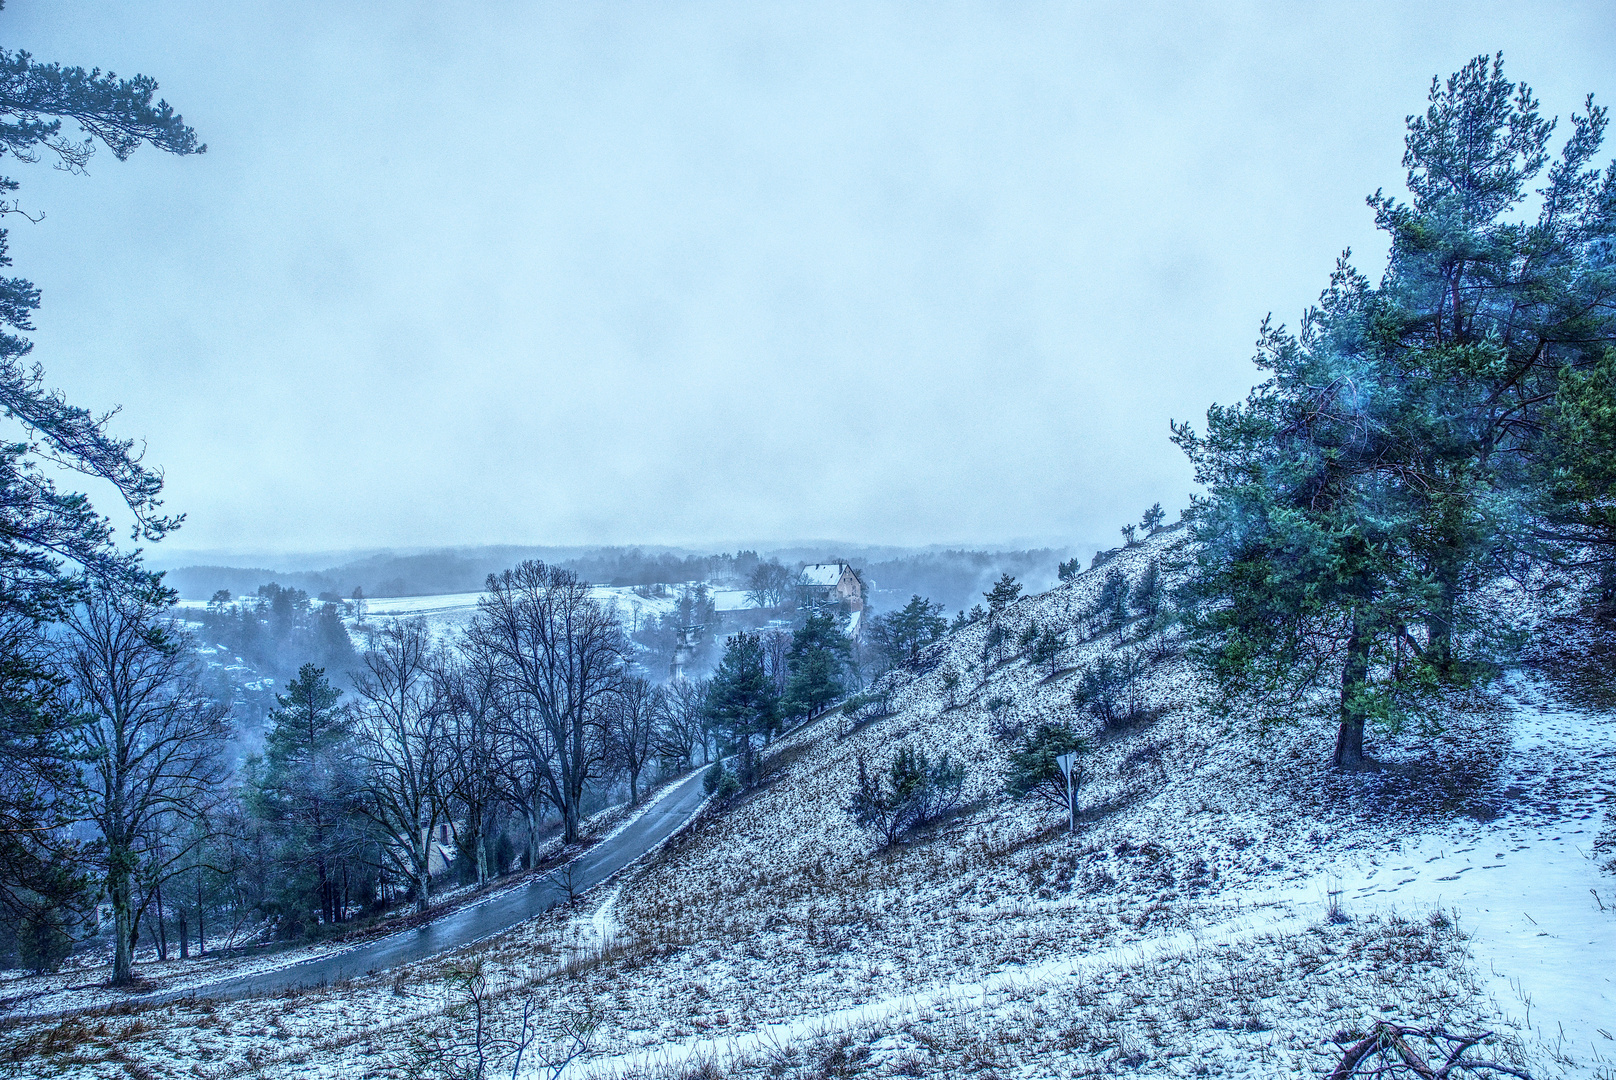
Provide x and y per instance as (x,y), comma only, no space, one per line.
(832,583)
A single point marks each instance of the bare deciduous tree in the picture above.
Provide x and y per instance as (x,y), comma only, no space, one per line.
(403,740)
(682,726)
(467,697)
(770,584)
(559,654)
(152,739)
(631,721)
(524,763)
(777,657)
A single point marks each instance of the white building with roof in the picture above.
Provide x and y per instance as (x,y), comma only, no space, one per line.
(835,582)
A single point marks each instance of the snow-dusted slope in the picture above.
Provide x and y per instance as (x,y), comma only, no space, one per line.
(1226,907)
(1199,829)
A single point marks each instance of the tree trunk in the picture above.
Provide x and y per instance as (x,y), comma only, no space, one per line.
(1439,622)
(575,771)
(532,833)
(201,939)
(1349,753)
(570,823)
(162,932)
(634,787)
(423,873)
(123,930)
(482,847)
(327,915)
(185,936)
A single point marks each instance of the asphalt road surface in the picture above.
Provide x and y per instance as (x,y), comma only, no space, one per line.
(479,920)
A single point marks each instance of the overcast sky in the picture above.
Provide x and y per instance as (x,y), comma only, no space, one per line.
(464,273)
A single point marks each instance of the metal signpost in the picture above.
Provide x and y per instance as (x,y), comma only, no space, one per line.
(1067,763)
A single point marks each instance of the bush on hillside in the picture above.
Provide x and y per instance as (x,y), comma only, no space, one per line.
(1047,649)
(870,705)
(1104,690)
(1002,722)
(1034,770)
(912,791)
(720,783)
(1111,606)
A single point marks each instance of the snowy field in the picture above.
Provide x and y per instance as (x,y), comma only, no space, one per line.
(447,613)
(1229,906)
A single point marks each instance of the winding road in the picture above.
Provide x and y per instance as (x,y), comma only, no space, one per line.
(492,916)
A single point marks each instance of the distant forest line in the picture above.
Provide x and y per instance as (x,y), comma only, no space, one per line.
(950,577)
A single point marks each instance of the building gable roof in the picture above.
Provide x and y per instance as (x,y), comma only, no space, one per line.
(823,575)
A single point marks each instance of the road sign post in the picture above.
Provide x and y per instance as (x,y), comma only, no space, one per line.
(1068,764)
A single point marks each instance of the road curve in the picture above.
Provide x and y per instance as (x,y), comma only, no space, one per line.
(477,921)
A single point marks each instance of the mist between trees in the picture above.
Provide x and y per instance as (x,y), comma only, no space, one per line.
(432,762)
(951,577)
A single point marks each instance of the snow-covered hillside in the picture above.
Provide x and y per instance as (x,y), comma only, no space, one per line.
(1202,835)
(1227,906)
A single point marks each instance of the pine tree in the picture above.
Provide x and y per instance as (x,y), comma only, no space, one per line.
(903,634)
(1002,595)
(1111,606)
(1101,687)
(1034,768)
(1148,592)
(741,703)
(43,870)
(967,618)
(44,525)
(993,643)
(1047,649)
(306,788)
(1360,498)
(55,540)
(1577,473)
(818,658)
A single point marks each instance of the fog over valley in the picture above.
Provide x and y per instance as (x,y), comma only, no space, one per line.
(545,274)
(751,541)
